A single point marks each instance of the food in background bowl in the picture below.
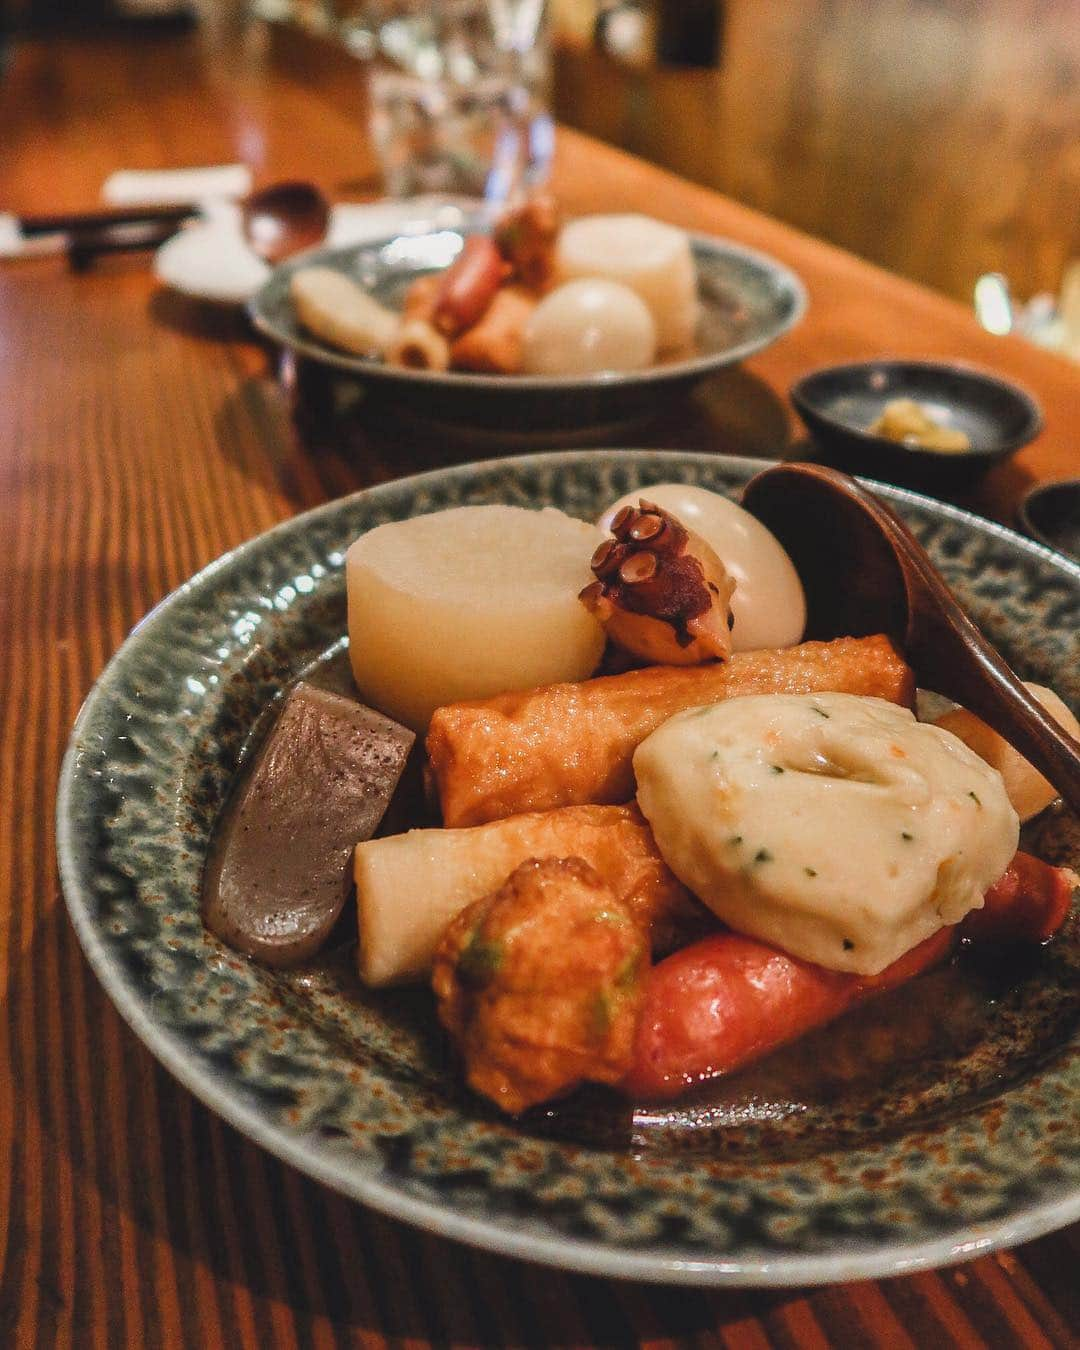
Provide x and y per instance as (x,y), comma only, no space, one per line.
(341,312)
(649,256)
(907,421)
(601,294)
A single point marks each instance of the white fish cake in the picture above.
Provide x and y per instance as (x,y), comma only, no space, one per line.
(340,312)
(835,827)
(652,258)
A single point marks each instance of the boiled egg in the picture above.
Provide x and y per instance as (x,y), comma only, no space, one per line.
(768,604)
(588,326)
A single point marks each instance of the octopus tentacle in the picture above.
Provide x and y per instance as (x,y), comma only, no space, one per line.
(660,590)
(527,236)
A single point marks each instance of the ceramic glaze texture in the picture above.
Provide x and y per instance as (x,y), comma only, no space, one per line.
(957,1150)
(839,404)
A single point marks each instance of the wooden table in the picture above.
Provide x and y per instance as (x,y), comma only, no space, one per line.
(140,437)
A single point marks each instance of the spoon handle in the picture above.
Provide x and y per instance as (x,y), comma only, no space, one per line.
(951,656)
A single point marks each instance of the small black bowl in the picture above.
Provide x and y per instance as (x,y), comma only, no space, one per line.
(1050,513)
(838,403)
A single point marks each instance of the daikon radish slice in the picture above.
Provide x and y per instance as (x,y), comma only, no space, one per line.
(650,257)
(469,602)
(409,886)
(1025,787)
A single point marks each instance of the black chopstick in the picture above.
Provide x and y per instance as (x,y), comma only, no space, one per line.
(84,248)
(79,222)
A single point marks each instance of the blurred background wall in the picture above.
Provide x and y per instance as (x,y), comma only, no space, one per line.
(939,138)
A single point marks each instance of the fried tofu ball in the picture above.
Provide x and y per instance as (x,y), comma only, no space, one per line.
(540,982)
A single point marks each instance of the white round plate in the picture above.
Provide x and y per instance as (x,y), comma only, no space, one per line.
(209,259)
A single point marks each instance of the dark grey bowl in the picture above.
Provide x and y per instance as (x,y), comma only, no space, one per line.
(838,403)
(1050,513)
(747,301)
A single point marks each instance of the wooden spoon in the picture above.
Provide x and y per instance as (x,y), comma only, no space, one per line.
(864,572)
(283,219)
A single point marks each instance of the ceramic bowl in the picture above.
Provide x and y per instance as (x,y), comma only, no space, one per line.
(1051,514)
(839,403)
(747,299)
(892,1162)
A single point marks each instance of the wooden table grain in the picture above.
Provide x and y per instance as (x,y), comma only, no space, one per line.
(140,437)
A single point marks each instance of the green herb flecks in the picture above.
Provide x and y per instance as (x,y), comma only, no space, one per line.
(599,1016)
(479,962)
(626,977)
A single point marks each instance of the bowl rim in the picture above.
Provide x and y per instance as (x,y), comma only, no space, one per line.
(812,414)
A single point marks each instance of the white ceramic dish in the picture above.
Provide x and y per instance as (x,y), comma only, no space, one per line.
(210,261)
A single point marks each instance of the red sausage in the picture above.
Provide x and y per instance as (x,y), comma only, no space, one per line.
(1028,904)
(468,286)
(728,999)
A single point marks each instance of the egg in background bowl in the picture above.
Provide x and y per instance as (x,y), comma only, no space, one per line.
(588,326)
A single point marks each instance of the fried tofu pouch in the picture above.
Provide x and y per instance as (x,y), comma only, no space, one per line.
(410,886)
(568,744)
(540,983)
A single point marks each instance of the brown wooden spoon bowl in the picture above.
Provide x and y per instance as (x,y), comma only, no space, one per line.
(284,219)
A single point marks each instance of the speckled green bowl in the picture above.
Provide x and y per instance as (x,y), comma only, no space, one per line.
(956,1154)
